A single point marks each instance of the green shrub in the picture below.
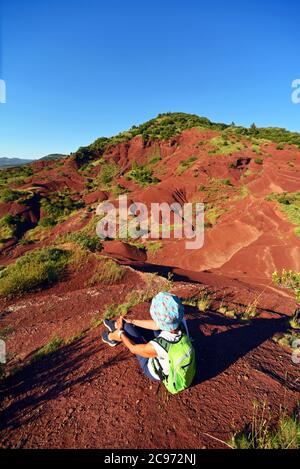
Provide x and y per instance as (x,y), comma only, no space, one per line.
(90,243)
(213,214)
(290,205)
(294,322)
(47,222)
(57,207)
(11,225)
(33,270)
(222,146)
(16,175)
(10,195)
(141,175)
(226,182)
(153,246)
(204,301)
(118,189)
(5,332)
(258,161)
(243,192)
(288,279)
(250,311)
(155,159)
(107,173)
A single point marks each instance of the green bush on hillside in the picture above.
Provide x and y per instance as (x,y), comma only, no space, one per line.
(107,174)
(288,279)
(10,195)
(11,226)
(16,175)
(141,175)
(58,206)
(223,146)
(226,182)
(33,270)
(258,161)
(90,243)
(289,203)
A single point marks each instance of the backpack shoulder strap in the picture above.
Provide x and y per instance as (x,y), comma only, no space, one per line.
(166,344)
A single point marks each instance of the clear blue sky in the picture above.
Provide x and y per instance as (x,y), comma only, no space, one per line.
(76,70)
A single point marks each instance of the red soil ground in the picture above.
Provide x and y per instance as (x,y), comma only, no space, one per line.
(83,394)
(87,394)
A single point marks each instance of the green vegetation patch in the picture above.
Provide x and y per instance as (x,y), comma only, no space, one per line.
(213,214)
(289,203)
(109,272)
(33,270)
(153,246)
(107,174)
(11,226)
(288,279)
(274,134)
(263,433)
(82,239)
(155,155)
(202,300)
(224,146)
(243,192)
(16,175)
(142,175)
(258,161)
(11,195)
(162,127)
(186,164)
(48,349)
(287,339)
(57,207)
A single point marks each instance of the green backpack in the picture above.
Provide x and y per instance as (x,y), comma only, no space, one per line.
(181,355)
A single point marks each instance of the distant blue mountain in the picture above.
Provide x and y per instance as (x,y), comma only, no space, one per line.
(9,162)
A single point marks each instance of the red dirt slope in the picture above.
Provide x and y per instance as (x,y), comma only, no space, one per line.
(83,394)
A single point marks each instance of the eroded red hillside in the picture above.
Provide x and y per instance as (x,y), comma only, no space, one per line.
(63,386)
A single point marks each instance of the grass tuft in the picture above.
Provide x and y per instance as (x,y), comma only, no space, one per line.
(264,433)
(109,272)
(33,270)
(48,349)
